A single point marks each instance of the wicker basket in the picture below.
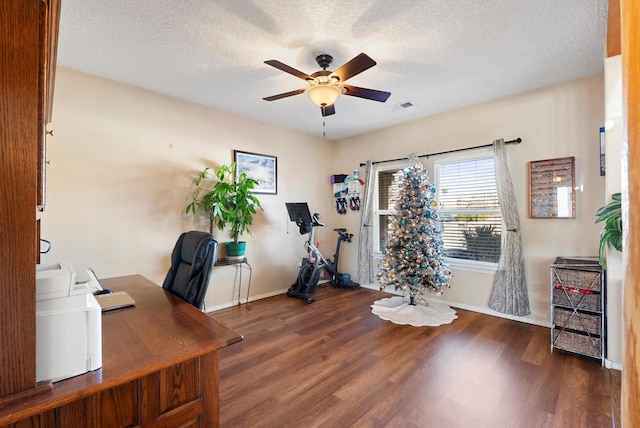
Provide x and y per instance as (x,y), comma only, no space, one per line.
(576,342)
(571,299)
(579,321)
(577,273)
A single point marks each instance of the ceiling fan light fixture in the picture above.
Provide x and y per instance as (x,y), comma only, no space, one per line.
(325,86)
(323,95)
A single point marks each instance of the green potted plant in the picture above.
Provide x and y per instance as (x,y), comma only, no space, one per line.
(229,202)
(611,235)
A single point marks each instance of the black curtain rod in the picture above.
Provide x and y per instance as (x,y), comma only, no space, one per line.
(516,141)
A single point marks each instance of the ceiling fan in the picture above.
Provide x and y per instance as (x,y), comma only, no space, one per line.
(326,86)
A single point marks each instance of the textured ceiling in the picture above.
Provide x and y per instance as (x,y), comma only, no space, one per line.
(439,55)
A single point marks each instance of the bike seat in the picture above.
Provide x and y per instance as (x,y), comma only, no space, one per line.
(340,230)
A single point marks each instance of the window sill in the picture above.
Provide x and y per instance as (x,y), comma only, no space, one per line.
(459,264)
(472,265)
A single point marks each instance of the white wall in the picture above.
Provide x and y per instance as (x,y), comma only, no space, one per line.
(123,161)
(613,157)
(557,121)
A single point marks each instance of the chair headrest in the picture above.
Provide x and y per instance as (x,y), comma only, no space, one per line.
(190,245)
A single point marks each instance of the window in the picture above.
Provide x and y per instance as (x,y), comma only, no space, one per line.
(469,209)
(386,193)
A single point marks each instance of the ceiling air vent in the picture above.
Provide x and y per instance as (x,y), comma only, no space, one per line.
(402,106)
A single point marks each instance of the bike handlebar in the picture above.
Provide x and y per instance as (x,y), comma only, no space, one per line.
(316,220)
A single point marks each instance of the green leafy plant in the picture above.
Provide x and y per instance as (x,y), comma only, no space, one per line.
(611,234)
(229,202)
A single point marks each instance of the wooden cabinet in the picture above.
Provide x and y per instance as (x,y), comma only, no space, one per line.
(28,35)
(48,25)
(170,397)
(578,306)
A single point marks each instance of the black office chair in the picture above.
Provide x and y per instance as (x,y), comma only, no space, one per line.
(192,260)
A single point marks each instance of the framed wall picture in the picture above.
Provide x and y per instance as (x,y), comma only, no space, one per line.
(552,188)
(263,168)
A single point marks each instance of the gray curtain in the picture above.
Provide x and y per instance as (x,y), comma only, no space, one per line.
(365,244)
(510,295)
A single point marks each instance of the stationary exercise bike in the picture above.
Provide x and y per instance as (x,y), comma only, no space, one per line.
(316,264)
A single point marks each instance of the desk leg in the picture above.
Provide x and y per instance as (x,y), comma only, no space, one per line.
(210,389)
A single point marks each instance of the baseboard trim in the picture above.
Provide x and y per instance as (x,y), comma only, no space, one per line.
(612,365)
(473,308)
(488,311)
(251,299)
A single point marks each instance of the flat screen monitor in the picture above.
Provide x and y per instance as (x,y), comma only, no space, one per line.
(299,212)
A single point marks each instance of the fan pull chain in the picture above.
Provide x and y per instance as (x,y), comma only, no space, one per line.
(323,108)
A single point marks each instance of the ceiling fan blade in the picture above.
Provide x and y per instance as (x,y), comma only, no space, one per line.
(328,110)
(357,65)
(284,67)
(370,94)
(284,95)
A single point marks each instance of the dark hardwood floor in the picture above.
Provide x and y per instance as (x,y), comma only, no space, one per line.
(335,364)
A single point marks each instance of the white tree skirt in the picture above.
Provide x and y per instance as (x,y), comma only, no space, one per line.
(398,310)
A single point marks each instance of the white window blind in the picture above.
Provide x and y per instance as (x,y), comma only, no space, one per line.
(469,209)
(387,195)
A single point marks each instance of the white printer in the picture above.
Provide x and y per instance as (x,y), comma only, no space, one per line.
(56,280)
(68,324)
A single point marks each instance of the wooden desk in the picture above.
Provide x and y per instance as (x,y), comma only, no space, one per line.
(159,366)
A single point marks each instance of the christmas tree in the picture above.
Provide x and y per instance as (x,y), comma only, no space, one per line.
(413,260)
